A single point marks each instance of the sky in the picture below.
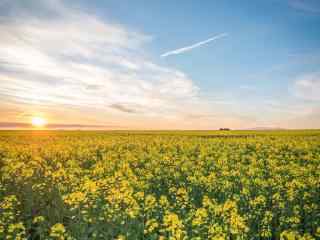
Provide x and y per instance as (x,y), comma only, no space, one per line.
(122,64)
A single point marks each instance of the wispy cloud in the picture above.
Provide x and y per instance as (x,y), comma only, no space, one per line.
(310,6)
(189,48)
(124,108)
(98,64)
(308,87)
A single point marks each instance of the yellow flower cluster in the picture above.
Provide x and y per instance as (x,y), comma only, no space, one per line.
(173,226)
(10,225)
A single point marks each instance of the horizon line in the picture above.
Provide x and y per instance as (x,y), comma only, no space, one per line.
(17,126)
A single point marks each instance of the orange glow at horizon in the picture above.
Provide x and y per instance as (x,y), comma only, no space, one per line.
(38,122)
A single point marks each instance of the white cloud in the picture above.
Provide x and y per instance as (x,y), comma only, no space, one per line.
(308,87)
(189,48)
(74,58)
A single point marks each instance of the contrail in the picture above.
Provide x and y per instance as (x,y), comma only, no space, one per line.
(188,48)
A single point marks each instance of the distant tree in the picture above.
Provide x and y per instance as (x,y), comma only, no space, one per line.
(224,129)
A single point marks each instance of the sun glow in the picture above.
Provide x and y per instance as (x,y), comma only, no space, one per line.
(38,122)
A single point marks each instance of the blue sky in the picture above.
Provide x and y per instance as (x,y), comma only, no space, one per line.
(99,62)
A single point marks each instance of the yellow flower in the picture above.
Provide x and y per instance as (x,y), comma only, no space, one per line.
(174,226)
(121,237)
(38,219)
(150,202)
(200,217)
(150,226)
(163,201)
(289,235)
(75,198)
(57,231)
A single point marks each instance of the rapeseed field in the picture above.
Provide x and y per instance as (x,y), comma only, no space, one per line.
(216,185)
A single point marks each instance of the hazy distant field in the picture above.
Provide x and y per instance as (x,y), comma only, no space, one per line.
(160,185)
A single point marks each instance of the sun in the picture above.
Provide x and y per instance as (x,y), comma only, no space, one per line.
(38,122)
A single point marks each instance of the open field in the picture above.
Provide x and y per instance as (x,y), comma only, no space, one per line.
(160,185)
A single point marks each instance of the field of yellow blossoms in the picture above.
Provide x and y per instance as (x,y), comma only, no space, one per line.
(160,185)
